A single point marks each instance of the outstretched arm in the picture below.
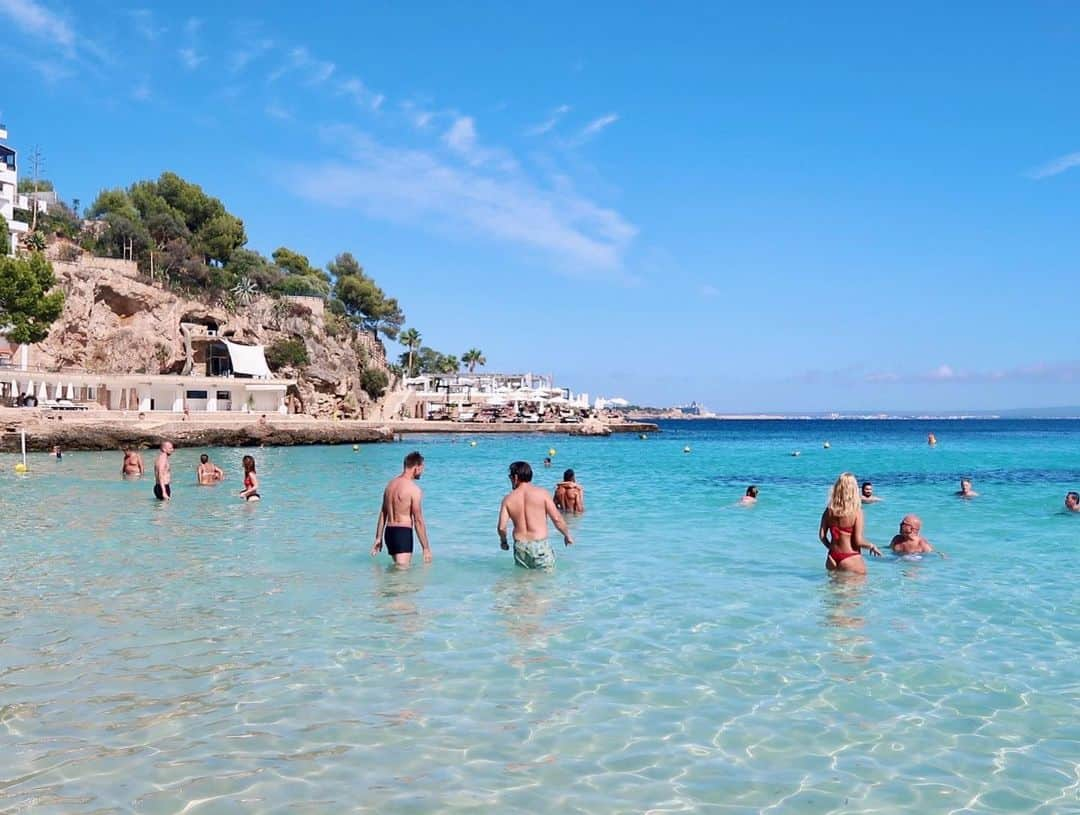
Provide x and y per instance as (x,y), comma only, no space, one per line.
(557,519)
(857,539)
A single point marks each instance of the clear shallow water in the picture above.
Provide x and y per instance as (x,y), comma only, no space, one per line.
(686,656)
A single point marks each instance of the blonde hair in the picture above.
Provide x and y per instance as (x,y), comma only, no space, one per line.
(844,501)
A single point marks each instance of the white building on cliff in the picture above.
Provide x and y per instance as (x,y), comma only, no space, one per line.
(10,199)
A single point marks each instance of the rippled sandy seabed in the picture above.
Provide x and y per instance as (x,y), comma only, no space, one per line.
(685,656)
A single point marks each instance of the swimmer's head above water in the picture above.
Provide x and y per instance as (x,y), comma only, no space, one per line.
(1072,501)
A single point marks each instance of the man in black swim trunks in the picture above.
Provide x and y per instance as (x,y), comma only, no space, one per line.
(163,473)
(401,513)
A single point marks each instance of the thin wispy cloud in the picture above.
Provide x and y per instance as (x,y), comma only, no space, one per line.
(191,58)
(709,290)
(594,127)
(311,70)
(1056,167)
(145,25)
(35,19)
(418,187)
(550,123)
(461,139)
(363,96)
(242,57)
(276,111)
(944,374)
(141,92)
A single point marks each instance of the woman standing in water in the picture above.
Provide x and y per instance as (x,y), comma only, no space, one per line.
(841,528)
(250,492)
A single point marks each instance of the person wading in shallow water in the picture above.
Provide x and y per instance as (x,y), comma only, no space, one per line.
(529,507)
(401,513)
(841,528)
(163,473)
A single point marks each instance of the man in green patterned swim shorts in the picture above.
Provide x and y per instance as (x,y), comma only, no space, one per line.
(529,508)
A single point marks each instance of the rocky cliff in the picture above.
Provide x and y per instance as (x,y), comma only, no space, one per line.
(115,320)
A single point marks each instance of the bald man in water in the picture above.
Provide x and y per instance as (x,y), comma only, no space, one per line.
(910,540)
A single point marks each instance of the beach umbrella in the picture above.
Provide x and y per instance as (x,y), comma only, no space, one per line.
(71,391)
(14,388)
(30,387)
(43,394)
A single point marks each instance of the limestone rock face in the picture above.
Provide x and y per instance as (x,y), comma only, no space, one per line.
(116,321)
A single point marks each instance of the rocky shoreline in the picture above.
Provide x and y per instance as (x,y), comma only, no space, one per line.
(85,433)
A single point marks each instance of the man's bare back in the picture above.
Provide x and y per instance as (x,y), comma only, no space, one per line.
(399,498)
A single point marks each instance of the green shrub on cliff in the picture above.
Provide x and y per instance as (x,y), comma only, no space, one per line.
(374,382)
(27,306)
(291,352)
(5,237)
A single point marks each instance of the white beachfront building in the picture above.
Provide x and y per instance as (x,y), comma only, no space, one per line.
(434,392)
(235,379)
(9,192)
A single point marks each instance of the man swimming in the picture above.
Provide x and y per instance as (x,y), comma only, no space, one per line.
(401,513)
(750,498)
(208,473)
(1072,501)
(909,541)
(867,495)
(569,495)
(133,463)
(965,489)
(529,507)
(163,473)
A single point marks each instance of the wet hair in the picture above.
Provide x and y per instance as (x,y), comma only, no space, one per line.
(568,475)
(866,484)
(204,458)
(249,464)
(414,459)
(844,496)
(521,471)
(1074,495)
(547,460)
(751,491)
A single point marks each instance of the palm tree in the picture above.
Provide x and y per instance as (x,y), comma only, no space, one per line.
(449,364)
(472,358)
(410,338)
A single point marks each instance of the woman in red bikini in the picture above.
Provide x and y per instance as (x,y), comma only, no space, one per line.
(841,529)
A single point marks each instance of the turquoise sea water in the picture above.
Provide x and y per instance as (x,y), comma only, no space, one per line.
(687,655)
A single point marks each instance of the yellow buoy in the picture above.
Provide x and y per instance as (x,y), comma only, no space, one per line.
(21,468)
(551,451)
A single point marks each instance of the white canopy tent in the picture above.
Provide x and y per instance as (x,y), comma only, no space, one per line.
(248,360)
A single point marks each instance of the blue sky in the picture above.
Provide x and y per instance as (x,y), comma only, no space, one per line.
(767,207)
